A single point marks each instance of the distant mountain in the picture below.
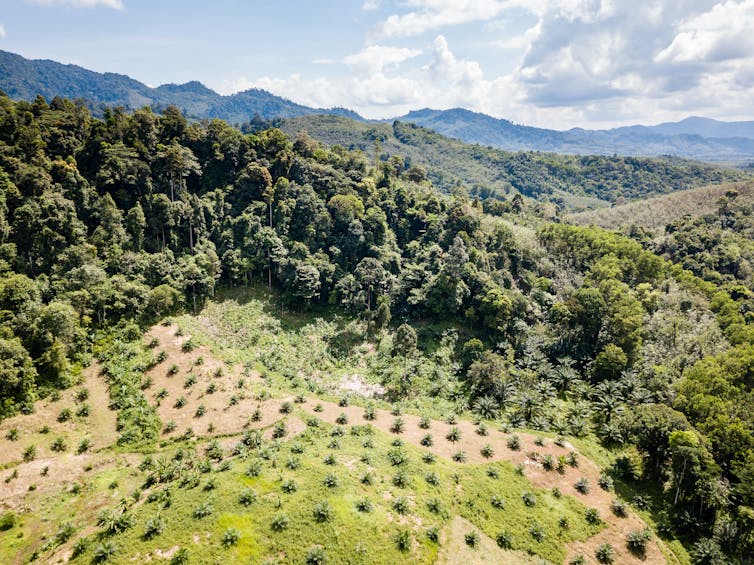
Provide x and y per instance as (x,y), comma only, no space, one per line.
(697,138)
(24,79)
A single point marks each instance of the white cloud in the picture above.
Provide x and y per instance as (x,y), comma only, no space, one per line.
(2,30)
(375,58)
(114,4)
(436,14)
(370,5)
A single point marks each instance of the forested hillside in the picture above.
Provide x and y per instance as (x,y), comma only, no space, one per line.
(571,181)
(484,306)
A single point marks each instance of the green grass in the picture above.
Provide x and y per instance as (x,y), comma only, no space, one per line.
(464,490)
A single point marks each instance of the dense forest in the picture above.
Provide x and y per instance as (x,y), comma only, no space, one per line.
(572,329)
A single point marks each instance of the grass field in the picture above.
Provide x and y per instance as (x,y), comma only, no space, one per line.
(247,435)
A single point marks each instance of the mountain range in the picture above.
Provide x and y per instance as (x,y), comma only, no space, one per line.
(695,137)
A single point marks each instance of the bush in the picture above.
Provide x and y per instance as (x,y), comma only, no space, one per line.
(231,537)
(426,440)
(432,478)
(472,539)
(397,426)
(329,459)
(369,413)
(104,551)
(83,410)
(514,442)
(504,540)
(331,480)
(279,430)
(497,501)
(637,540)
(592,516)
(8,519)
(487,451)
(605,553)
(605,482)
(279,523)
(84,445)
(582,485)
(59,445)
(247,497)
(434,505)
(153,527)
(181,557)
(203,510)
(322,512)
(403,540)
(429,457)
(364,505)
(619,508)
(578,560)
(400,479)
(453,435)
(201,410)
(286,408)
(529,499)
(289,486)
(537,532)
(397,457)
(65,415)
(433,534)
(30,453)
(316,556)
(79,547)
(400,505)
(342,419)
(12,434)
(424,423)
(367,478)
(459,456)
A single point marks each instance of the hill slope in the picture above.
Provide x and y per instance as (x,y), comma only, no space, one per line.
(487,171)
(24,79)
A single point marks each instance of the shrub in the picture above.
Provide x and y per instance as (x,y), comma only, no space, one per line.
(342,419)
(82,395)
(426,440)
(30,453)
(280,522)
(286,408)
(369,413)
(153,527)
(424,423)
(316,556)
(556,492)
(619,508)
(84,445)
(181,557)
(482,429)
(429,457)
(504,540)
(83,411)
(211,388)
(104,551)
(637,540)
(400,505)
(540,441)
(8,519)
(201,410)
(173,370)
(578,560)
(472,539)
(330,459)
(400,479)
(563,523)
(279,430)
(65,415)
(459,456)
(331,480)
(247,497)
(188,345)
(592,516)
(432,478)
(203,510)
(59,445)
(453,435)
(231,537)
(79,547)
(12,434)
(397,426)
(289,486)
(605,553)
(180,402)
(433,534)
(492,472)
(364,505)
(397,457)
(322,512)
(367,478)
(487,451)
(537,532)
(582,485)
(170,427)
(572,459)
(293,463)
(497,501)
(529,499)
(318,407)
(605,482)
(434,505)
(514,442)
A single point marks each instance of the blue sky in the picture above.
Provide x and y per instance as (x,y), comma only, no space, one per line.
(552,63)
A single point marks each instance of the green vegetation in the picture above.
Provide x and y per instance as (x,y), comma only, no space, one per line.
(317,274)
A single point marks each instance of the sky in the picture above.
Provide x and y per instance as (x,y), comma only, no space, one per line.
(548,63)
